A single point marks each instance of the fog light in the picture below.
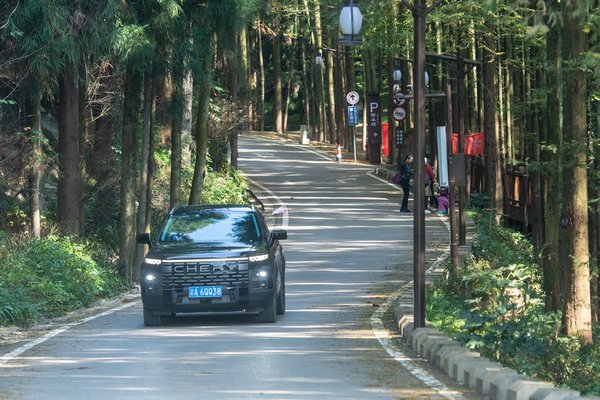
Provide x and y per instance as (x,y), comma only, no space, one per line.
(262,274)
(150,278)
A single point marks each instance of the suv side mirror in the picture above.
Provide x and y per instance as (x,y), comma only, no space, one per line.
(144,238)
(278,234)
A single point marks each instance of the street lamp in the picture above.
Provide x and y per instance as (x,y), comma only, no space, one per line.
(319,59)
(397,75)
(350,23)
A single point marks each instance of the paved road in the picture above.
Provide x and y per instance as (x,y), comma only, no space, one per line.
(346,244)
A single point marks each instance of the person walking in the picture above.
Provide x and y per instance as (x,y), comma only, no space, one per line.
(406,173)
(429,181)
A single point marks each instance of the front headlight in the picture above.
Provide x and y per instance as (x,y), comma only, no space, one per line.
(152,261)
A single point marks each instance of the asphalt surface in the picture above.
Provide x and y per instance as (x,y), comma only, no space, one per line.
(347,333)
(349,255)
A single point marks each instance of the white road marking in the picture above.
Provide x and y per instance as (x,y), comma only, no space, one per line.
(22,349)
(384,339)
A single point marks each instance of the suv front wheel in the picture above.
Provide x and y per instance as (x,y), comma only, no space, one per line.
(269,312)
(151,319)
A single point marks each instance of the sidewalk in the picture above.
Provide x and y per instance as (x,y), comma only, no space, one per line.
(469,368)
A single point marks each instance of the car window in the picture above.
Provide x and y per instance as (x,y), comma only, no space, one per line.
(211,227)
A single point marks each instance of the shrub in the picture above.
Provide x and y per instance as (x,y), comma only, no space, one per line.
(48,277)
(224,187)
(495,304)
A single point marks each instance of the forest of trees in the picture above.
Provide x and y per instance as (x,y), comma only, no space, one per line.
(92,92)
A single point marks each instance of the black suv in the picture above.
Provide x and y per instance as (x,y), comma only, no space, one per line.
(213,258)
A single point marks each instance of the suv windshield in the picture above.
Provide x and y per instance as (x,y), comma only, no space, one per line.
(223,227)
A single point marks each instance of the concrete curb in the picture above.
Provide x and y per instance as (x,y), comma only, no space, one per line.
(470,369)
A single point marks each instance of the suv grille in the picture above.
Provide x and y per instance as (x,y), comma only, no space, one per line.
(179,275)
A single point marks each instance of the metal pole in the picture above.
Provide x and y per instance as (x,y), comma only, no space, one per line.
(460,90)
(419,14)
(354,138)
(451,208)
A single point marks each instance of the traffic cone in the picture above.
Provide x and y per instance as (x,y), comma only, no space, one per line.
(338,153)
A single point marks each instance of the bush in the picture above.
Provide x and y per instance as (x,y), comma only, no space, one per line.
(495,304)
(48,277)
(225,187)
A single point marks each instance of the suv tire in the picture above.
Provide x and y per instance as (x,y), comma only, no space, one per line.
(151,319)
(281,296)
(269,313)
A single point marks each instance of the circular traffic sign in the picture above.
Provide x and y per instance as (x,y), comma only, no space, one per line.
(399,99)
(399,113)
(352,97)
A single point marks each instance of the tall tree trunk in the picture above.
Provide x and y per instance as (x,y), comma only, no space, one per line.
(577,315)
(36,168)
(305,81)
(595,235)
(69,183)
(131,110)
(177,110)
(85,142)
(308,71)
(261,68)
(104,132)
(536,217)
(163,101)
(234,88)
(552,159)
(143,199)
(277,75)
(248,85)
(331,91)
(320,86)
(201,130)
(490,126)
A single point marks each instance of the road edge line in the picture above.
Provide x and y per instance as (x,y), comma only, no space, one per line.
(55,332)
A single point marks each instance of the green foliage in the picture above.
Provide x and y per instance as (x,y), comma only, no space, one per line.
(13,215)
(48,277)
(479,201)
(495,305)
(222,188)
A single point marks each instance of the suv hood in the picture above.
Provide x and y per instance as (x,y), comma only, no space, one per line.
(187,253)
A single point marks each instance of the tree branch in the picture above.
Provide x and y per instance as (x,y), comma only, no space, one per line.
(408,5)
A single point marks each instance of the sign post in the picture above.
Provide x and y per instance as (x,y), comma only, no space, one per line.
(352,98)
(374,136)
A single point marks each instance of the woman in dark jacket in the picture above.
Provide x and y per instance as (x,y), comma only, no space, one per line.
(406,172)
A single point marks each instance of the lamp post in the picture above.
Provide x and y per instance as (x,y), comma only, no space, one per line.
(419,11)
(350,25)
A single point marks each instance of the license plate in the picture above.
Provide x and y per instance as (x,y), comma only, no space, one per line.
(195,292)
